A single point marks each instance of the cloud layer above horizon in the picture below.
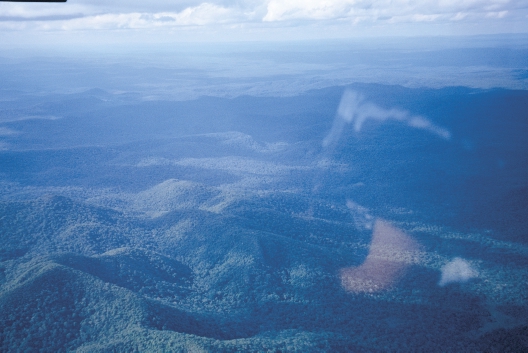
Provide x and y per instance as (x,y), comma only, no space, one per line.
(378,16)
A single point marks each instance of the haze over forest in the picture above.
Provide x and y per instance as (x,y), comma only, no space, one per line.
(263,177)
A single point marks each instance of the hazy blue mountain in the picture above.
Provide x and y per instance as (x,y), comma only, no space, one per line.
(228,224)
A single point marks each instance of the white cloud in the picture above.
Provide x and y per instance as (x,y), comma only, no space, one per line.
(84,14)
(201,15)
(307,9)
(353,109)
(84,17)
(408,10)
(496,14)
(42,11)
(457,271)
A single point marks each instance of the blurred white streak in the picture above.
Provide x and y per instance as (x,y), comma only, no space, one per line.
(349,105)
(422,123)
(362,218)
(354,109)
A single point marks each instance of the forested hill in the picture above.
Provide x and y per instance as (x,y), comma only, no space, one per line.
(265,224)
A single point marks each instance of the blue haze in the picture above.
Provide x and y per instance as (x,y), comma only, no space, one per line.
(303,197)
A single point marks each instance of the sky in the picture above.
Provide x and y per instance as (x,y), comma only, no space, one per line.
(123,21)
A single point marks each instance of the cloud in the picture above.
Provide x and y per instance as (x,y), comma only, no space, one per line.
(201,15)
(84,14)
(307,9)
(353,109)
(362,218)
(42,12)
(457,271)
(81,17)
(422,123)
(392,11)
